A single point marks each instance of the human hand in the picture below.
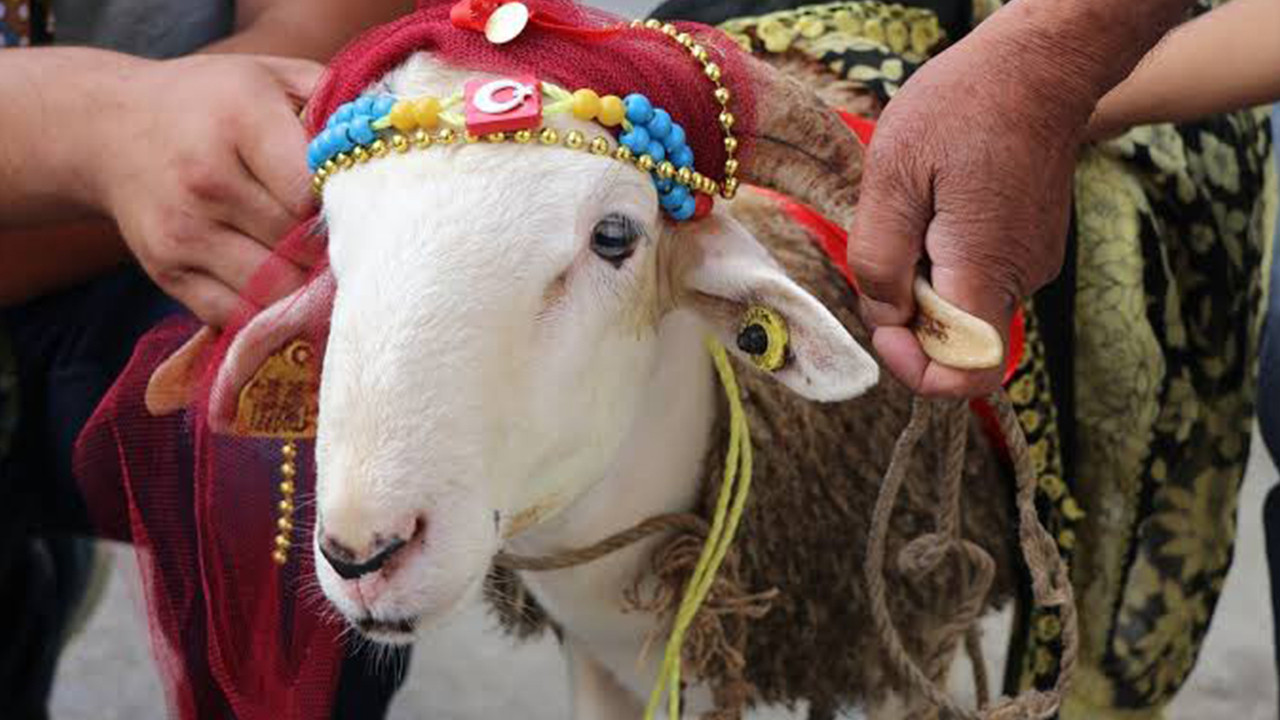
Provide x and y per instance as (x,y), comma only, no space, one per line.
(970,168)
(206,170)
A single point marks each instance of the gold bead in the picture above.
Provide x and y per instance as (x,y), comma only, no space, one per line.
(523,136)
(726,119)
(730,167)
(599,146)
(685,39)
(317,184)
(378,148)
(697,180)
(287,487)
(709,186)
(421,138)
(574,139)
(344,161)
(645,162)
(623,153)
(447,136)
(549,136)
(731,145)
(699,53)
(670,30)
(331,167)
(360,154)
(684,176)
(285,506)
(284,524)
(471,137)
(653,24)
(636,23)
(282,542)
(666,170)
(713,71)
(289,451)
(400,143)
(729,189)
(496,137)
(321,173)
(288,469)
(723,95)
(280,557)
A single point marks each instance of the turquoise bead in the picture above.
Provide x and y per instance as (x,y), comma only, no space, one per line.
(686,209)
(656,150)
(637,139)
(682,157)
(664,185)
(360,131)
(342,115)
(639,109)
(675,198)
(382,106)
(659,126)
(363,106)
(674,139)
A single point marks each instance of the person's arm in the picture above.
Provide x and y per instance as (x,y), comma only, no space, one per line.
(199,161)
(1225,60)
(314,29)
(971,164)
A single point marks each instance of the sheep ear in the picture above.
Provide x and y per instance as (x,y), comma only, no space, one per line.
(729,279)
(257,348)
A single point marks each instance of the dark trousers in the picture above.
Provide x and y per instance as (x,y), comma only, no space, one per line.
(69,349)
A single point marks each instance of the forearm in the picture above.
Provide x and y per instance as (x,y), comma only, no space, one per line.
(312,29)
(56,100)
(1074,51)
(1226,60)
(39,259)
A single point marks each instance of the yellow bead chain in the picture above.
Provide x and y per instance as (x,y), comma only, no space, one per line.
(284,523)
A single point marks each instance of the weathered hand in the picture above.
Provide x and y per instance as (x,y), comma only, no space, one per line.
(204,170)
(970,168)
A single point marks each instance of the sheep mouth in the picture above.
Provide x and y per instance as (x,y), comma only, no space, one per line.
(389,630)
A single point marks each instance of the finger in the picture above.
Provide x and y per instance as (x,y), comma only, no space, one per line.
(887,237)
(213,302)
(252,210)
(246,267)
(274,149)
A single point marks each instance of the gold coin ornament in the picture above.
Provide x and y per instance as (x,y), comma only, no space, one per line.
(763,337)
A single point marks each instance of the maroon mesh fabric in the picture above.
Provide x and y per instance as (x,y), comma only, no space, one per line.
(231,631)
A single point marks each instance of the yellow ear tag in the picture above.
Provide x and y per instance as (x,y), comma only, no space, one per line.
(763,337)
(282,399)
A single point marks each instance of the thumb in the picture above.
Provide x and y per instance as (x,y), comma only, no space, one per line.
(886,241)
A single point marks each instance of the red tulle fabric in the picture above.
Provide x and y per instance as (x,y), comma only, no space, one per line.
(233,633)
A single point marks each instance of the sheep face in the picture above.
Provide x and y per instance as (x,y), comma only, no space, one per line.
(497,314)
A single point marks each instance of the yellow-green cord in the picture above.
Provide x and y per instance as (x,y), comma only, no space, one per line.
(736,484)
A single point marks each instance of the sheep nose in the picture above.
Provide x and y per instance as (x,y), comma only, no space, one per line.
(349,566)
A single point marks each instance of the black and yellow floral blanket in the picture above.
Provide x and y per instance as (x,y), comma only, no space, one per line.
(1137,385)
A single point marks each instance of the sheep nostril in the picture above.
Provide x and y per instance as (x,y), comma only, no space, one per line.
(345,564)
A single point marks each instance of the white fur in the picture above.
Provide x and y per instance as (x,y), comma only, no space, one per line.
(483,359)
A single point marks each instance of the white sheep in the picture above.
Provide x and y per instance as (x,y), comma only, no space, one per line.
(516,361)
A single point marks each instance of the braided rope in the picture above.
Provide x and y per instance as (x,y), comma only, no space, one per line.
(1049,574)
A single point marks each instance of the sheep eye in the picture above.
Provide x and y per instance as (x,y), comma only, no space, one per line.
(615,238)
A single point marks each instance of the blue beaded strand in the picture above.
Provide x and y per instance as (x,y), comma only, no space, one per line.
(350,125)
(653,133)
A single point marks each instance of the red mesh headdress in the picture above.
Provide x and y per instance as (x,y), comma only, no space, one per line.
(232,631)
